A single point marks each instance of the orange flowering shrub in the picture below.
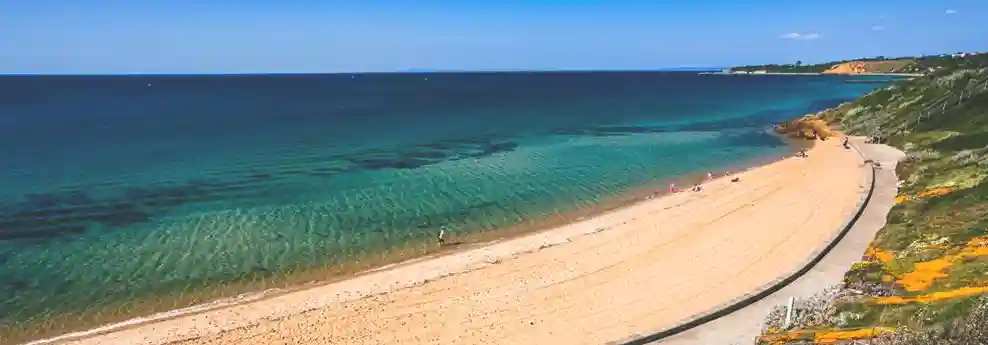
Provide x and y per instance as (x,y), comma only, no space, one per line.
(977,246)
(936,296)
(934,192)
(879,255)
(837,335)
(783,338)
(922,277)
(925,273)
(825,336)
(930,193)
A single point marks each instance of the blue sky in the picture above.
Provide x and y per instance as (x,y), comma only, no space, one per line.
(247,36)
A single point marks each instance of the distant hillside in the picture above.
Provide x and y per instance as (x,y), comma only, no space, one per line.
(870,66)
(691,69)
(924,278)
(836,67)
(879,65)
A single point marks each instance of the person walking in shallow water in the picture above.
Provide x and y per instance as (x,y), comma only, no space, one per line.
(442,233)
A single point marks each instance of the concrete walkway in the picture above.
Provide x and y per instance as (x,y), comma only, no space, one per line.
(741,327)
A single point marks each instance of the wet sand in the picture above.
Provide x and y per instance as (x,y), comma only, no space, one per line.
(636,269)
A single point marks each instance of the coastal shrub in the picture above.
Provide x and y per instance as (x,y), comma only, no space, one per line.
(809,127)
(868,278)
(922,155)
(927,268)
(819,309)
(969,327)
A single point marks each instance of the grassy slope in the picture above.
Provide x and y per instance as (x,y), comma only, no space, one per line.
(928,266)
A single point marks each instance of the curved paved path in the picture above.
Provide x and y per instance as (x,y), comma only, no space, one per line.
(742,326)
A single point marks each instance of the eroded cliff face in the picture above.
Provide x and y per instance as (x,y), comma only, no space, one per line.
(856,67)
(866,67)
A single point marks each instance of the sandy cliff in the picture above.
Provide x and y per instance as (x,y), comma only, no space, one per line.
(866,67)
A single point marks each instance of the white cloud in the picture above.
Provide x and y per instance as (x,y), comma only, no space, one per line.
(795,36)
(950,11)
(878,28)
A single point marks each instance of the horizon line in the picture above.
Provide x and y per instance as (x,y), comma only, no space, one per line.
(405,71)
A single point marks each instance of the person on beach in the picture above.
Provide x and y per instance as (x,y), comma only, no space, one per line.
(697,187)
(847,145)
(442,233)
(672,188)
(710,175)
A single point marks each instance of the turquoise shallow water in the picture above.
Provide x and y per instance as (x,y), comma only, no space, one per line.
(116,190)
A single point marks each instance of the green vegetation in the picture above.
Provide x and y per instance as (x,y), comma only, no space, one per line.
(927,64)
(787,68)
(926,270)
(881,64)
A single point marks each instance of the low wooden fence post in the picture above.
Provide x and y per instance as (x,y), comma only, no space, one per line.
(789,311)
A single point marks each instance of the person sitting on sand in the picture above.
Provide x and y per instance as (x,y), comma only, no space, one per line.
(736,179)
(802,154)
(697,187)
(672,188)
(442,233)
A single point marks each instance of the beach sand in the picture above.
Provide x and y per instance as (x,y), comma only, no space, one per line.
(637,269)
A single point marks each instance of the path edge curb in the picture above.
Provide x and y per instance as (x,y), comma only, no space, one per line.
(770,288)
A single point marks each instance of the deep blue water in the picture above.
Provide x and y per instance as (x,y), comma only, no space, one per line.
(120,187)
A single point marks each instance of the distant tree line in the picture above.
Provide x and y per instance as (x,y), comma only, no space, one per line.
(922,64)
(797,67)
(932,63)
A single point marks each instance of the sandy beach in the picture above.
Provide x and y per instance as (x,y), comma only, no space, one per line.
(637,269)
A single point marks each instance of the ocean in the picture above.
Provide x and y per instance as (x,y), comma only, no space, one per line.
(123,195)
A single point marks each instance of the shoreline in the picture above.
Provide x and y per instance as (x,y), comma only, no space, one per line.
(617,252)
(911,75)
(219,296)
(782,282)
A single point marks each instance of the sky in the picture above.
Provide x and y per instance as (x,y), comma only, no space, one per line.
(336,36)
